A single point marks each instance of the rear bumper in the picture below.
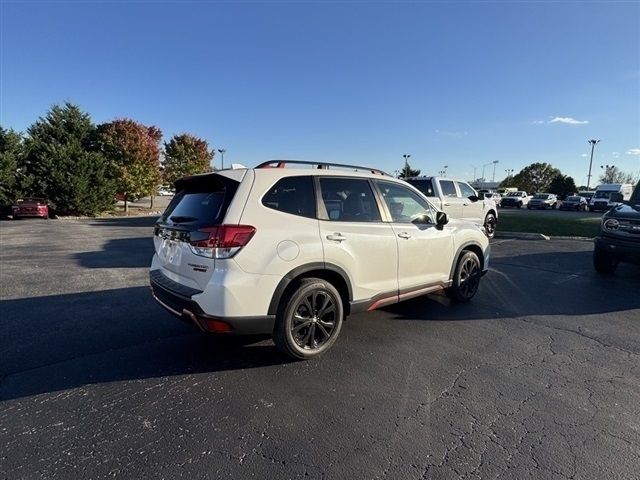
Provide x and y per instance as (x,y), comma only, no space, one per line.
(623,250)
(178,302)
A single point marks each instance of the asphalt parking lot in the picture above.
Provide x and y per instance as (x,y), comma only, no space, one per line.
(538,377)
(549,212)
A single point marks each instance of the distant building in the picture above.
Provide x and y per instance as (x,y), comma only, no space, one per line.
(480,185)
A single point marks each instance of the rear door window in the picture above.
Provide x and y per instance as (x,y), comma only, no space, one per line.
(349,200)
(424,186)
(448,188)
(294,195)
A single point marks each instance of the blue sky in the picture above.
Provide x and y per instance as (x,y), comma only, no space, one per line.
(451,83)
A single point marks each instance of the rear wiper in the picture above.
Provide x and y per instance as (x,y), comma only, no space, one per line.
(183,219)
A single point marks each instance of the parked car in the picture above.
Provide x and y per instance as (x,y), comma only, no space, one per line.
(30,207)
(574,202)
(293,251)
(543,201)
(619,237)
(515,199)
(586,194)
(601,199)
(459,200)
(495,197)
(165,192)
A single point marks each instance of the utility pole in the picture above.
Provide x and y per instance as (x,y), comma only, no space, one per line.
(483,166)
(222,152)
(593,146)
(474,173)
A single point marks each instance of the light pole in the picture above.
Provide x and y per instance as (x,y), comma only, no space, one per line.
(483,167)
(493,179)
(222,152)
(608,173)
(474,173)
(593,146)
(406,164)
(444,172)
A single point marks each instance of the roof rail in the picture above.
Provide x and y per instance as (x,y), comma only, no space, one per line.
(320,165)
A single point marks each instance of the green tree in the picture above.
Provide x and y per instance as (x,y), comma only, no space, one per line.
(508,182)
(133,152)
(61,164)
(408,172)
(535,177)
(10,152)
(562,185)
(185,155)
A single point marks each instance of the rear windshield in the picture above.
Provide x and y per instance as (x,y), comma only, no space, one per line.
(541,196)
(573,199)
(200,201)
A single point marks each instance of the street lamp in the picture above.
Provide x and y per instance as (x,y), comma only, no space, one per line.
(444,172)
(493,179)
(222,152)
(593,146)
(509,171)
(483,167)
(406,164)
(608,173)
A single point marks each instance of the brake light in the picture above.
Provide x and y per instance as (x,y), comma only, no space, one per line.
(223,241)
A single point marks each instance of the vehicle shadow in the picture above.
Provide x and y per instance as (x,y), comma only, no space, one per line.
(66,341)
(119,253)
(537,284)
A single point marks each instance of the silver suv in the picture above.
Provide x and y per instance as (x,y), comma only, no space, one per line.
(293,251)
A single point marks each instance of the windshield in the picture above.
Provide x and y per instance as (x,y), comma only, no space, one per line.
(602,194)
(541,196)
(573,199)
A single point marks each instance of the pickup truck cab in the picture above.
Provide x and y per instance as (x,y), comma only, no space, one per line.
(517,199)
(458,199)
(619,237)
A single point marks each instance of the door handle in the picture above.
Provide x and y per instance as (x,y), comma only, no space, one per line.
(404,235)
(337,237)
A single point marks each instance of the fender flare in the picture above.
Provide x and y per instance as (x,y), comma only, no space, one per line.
(301,270)
(461,248)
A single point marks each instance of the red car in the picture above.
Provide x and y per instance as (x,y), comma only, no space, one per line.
(30,207)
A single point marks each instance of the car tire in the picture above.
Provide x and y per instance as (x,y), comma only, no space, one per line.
(591,209)
(466,278)
(604,262)
(490,223)
(520,205)
(309,319)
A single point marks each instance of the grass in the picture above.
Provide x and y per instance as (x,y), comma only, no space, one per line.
(553,226)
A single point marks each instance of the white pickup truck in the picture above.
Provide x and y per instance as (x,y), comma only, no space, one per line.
(517,199)
(459,200)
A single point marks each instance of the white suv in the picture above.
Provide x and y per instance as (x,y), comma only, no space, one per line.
(293,251)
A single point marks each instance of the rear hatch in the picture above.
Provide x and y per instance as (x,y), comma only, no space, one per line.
(190,235)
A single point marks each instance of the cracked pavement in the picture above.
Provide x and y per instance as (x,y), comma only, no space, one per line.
(539,376)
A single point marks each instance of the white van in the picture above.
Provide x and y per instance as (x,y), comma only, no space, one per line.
(601,200)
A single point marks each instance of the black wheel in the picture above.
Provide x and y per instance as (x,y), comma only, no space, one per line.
(520,205)
(528,207)
(490,223)
(466,278)
(591,209)
(604,262)
(309,319)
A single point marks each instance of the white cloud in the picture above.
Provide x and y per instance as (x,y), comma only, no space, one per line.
(568,121)
(537,122)
(452,134)
(615,154)
(633,151)
(584,155)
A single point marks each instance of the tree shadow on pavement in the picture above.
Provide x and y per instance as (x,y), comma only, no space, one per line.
(66,341)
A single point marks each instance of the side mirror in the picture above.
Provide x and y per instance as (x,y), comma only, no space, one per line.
(441,220)
(616,197)
(473,198)
(422,219)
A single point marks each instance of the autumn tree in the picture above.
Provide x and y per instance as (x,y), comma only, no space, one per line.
(133,152)
(185,155)
(536,177)
(10,151)
(613,174)
(60,163)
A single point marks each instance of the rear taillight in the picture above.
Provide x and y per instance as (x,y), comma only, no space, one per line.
(223,241)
